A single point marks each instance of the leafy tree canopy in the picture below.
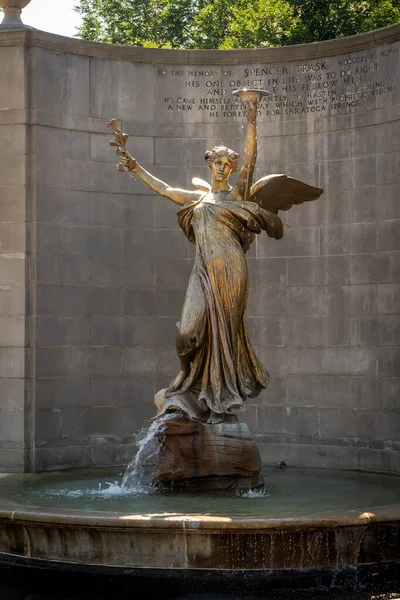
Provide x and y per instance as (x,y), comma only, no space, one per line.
(230,23)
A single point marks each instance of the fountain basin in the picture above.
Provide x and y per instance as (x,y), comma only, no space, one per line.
(279,530)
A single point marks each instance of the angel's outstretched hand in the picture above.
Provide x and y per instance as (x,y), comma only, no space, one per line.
(128,162)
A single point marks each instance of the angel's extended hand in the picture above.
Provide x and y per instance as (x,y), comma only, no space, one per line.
(250,110)
(129,163)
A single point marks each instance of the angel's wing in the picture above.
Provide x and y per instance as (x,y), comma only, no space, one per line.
(280,192)
(200,184)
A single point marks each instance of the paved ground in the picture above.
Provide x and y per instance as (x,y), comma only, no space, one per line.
(381,582)
(11,589)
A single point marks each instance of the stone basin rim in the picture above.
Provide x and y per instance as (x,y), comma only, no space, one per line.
(19,513)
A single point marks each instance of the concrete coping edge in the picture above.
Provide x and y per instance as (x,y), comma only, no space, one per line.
(30,37)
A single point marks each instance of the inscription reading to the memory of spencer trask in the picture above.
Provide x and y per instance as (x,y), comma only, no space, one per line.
(336,84)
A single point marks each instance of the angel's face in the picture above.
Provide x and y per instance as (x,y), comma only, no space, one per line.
(221,168)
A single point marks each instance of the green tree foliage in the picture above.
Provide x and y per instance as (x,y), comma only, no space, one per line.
(153,23)
(244,24)
(325,20)
(230,23)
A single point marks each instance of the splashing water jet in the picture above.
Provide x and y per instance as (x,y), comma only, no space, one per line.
(140,472)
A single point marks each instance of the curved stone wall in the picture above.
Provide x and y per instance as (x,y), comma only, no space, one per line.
(93,267)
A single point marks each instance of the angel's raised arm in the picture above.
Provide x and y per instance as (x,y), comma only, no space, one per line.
(242,188)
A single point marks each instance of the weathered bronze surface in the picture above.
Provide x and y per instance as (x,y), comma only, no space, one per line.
(219,368)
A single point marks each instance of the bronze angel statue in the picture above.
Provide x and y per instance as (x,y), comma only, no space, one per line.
(219,368)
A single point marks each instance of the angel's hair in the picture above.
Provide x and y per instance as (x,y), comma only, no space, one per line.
(218,151)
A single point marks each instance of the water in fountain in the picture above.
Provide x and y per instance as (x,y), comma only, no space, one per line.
(139,473)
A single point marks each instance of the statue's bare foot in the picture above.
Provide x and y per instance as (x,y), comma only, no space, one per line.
(177,382)
(215,418)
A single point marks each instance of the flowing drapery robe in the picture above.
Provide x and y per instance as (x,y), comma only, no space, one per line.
(224,368)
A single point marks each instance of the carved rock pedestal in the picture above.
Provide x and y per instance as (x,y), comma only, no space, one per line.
(197,456)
